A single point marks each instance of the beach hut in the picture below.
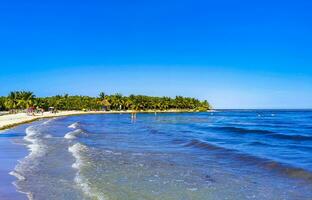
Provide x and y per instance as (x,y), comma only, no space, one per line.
(52,110)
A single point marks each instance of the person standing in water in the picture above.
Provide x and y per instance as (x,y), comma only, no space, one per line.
(133,116)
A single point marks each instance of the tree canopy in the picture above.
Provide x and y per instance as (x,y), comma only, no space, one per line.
(24,99)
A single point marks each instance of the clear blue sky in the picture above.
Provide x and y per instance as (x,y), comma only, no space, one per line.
(236,54)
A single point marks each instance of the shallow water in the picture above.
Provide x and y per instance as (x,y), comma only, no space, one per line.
(259,154)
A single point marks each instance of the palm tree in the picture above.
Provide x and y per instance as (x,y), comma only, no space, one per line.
(66,102)
(19,100)
(22,100)
(12,100)
(2,103)
(25,99)
(115,101)
(135,106)
(102,95)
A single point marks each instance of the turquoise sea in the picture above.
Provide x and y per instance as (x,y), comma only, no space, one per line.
(227,154)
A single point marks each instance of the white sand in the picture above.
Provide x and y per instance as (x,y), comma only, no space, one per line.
(10,120)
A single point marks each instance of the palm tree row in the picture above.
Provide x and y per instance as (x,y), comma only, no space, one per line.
(20,100)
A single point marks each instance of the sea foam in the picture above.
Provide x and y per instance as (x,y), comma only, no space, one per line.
(36,149)
(17,175)
(49,121)
(73,134)
(74,125)
(33,136)
(76,150)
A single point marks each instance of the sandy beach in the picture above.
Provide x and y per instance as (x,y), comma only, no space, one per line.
(11,120)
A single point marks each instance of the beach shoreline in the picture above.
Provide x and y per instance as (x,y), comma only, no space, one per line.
(11,120)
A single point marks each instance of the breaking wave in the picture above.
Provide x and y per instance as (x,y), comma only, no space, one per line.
(74,125)
(36,149)
(74,134)
(76,150)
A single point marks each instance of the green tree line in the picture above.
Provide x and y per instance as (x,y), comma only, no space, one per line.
(20,100)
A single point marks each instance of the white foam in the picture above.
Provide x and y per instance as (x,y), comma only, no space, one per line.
(30,132)
(76,151)
(48,136)
(36,149)
(73,134)
(17,175)
(49,121)
(74,125)
(112,152)
(29,195)
(32,136)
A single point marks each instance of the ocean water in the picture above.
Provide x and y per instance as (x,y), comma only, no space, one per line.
(239,154)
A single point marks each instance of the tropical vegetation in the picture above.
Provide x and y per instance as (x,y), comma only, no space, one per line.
(21,100)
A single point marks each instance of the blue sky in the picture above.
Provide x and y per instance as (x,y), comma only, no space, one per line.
(236,54)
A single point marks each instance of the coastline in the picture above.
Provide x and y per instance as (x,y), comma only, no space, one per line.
(11,120)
